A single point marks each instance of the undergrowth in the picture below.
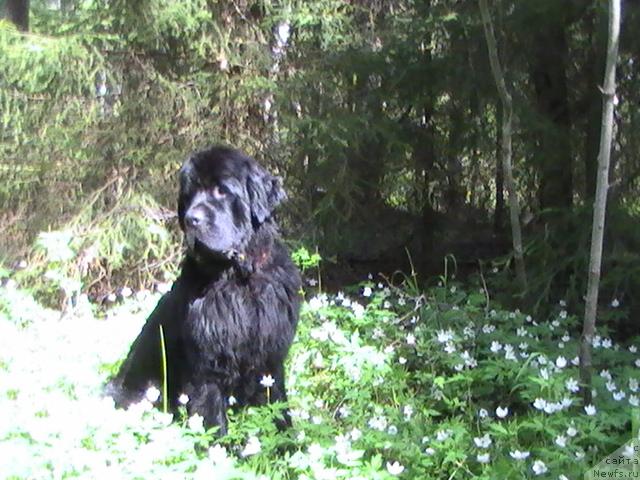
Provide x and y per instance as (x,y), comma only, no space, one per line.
(102,249)
(383,381)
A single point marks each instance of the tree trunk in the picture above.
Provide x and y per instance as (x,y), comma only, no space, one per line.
(600,204)
(17,12)
(453,196)
(593,69)
(505,97)
(548,72)
(498,216)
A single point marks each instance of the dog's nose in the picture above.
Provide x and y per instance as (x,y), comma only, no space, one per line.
(194,217)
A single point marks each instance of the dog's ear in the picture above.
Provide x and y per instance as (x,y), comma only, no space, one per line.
(265,193)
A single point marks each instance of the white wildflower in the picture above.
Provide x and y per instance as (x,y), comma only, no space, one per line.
(444,336)
(483,458)
(552,407)
(518,455)
(358,310)
(378,423)
(152,394)
(408,412)
(539,403)
(218,454)
(316,303)
(395,468)
(267,381)
(561,441)
(539,467)
(488,328)
(509,352)
(502,412)
(252,447)
(196,423)
(572,385)
(482,442)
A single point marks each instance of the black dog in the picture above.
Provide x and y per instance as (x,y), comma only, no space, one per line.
(231,316)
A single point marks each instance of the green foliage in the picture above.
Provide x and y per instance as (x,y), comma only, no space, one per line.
(130,244)
(305,260)
(371,110)
(101,90)
(102,102)
(440,382)
(557,261)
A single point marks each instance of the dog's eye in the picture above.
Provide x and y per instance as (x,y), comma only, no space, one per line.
(220,191)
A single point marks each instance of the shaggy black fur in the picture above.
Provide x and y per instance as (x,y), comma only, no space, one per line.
(231,315)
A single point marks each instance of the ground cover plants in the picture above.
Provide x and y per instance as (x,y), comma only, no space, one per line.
(386,381)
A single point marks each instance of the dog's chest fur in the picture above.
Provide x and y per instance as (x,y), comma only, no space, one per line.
(223,319)
(240,321)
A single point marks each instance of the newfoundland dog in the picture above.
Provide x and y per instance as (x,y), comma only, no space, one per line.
(231,315)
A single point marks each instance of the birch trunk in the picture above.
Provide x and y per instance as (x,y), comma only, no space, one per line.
(600,203)
(507,120)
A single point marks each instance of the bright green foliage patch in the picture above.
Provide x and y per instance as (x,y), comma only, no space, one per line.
(383,382)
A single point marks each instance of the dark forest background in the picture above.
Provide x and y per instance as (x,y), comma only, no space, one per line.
(382,116)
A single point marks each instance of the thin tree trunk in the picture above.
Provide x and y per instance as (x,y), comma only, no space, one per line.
(600,204)
(505,97)
(594,66)
(498,219)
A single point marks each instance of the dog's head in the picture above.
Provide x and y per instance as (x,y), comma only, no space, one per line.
(224,198)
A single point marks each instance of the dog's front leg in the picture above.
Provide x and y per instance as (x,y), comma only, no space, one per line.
(208,401)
